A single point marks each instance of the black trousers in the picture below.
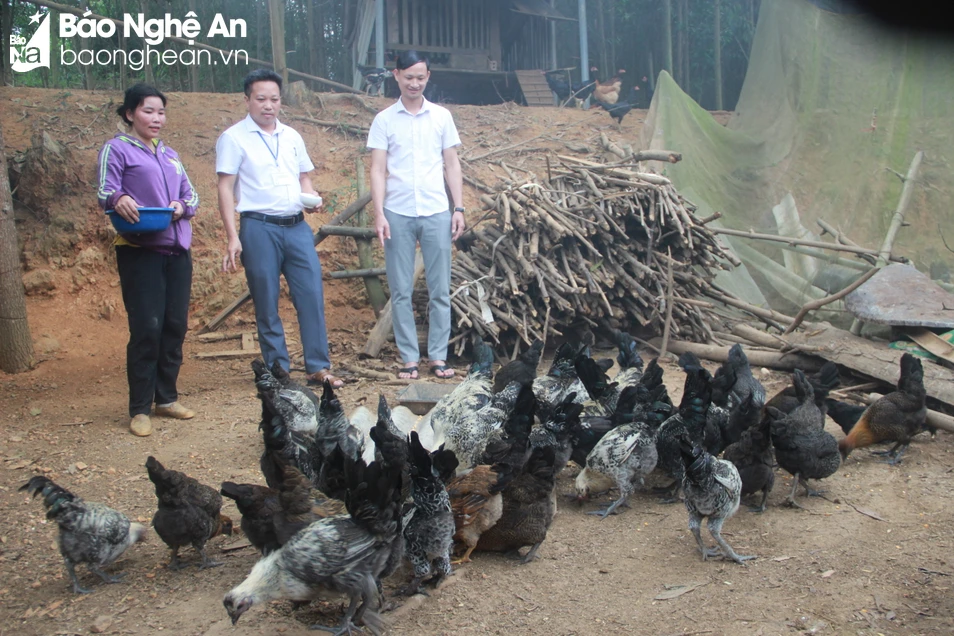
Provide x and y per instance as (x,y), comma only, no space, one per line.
(156,291)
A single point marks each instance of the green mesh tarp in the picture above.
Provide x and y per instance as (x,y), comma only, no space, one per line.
(833,108)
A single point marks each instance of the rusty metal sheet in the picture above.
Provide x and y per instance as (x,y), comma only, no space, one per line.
(901,295)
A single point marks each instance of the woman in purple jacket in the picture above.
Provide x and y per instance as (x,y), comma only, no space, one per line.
(155,270)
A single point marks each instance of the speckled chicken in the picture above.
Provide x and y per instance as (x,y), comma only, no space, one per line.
(741,382)
(752,454)
(626,454)
(470,396)
(469,436)
(712,488)
(341,554)
(527,508)
(802,445)
(429,523)
(189,513)
(282,397)
(716,435)
(561,380)
(90,533)
(689,420)
(522,369)
(895,417)
(590,430)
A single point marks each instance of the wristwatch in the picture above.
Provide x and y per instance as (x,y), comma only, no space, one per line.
(461,210)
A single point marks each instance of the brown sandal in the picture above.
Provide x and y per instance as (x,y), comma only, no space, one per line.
(325,375)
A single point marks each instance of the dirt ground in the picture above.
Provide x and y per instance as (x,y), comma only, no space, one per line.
(872,558)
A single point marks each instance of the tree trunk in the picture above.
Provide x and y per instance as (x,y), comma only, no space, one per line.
(677,54)
(259,32)
(605,62)
(193,69)
(310,17)
(276,18)
(667,37)
(123,80)
(6,28)
(150,77)
(16,345)
(717,56)
(684,52)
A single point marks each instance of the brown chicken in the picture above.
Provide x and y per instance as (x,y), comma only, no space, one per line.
(476,508)
(895,417)
(608,92)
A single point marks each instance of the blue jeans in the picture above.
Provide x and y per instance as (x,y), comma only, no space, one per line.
(434,235)
(269,251)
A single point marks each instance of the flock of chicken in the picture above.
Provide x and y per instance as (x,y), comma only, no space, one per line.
(604,94)
(348,499)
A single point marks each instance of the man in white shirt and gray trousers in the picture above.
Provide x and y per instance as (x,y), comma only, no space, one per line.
(263,170)
(413,147)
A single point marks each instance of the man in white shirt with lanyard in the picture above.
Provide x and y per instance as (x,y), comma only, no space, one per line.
(413,147)
(263,169)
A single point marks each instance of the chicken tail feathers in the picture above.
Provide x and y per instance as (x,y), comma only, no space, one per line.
(483,363)
(845,415)
(827,379)
(55,497)
(393,448)
(628,357)
(592,376)
(912,375)
(803,387)
(373,497)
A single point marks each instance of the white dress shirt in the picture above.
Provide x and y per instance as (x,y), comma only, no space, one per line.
(415,146)
(268,166)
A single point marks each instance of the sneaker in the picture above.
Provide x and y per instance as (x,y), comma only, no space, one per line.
(140,425)
(175,411)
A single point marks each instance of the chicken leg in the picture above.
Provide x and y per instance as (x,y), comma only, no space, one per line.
(174,563)
(611,508)
(206,561)
(345,626)
(715,529)
(106,577)
(791,498)
(695,523)
(77,588)
(670,493)
(759,509)
(895,453)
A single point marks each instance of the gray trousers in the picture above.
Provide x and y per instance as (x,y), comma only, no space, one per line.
(434,235)
(269,251)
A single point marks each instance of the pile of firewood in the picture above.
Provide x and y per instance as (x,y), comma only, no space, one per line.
(598,244)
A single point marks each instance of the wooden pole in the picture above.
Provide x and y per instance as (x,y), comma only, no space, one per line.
(276,21)
(784,361)
(372,284)
(792,241)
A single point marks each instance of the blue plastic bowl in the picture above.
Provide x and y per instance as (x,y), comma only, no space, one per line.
(150,220)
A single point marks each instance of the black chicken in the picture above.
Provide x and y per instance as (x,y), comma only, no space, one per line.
(523,369)
(802,446)
(189,513)
(752,454)
(712,488)
(90,533)
(556,429)
(282,397)
(429,524)
(739,379)
(895,417)
(528,508)
(270,517)
(689,420)
(345,553)
(823,382)
(845,415)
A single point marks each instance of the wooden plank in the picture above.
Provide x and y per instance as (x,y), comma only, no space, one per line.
(871,359)
(383,327)
(248,341)
(232,353)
